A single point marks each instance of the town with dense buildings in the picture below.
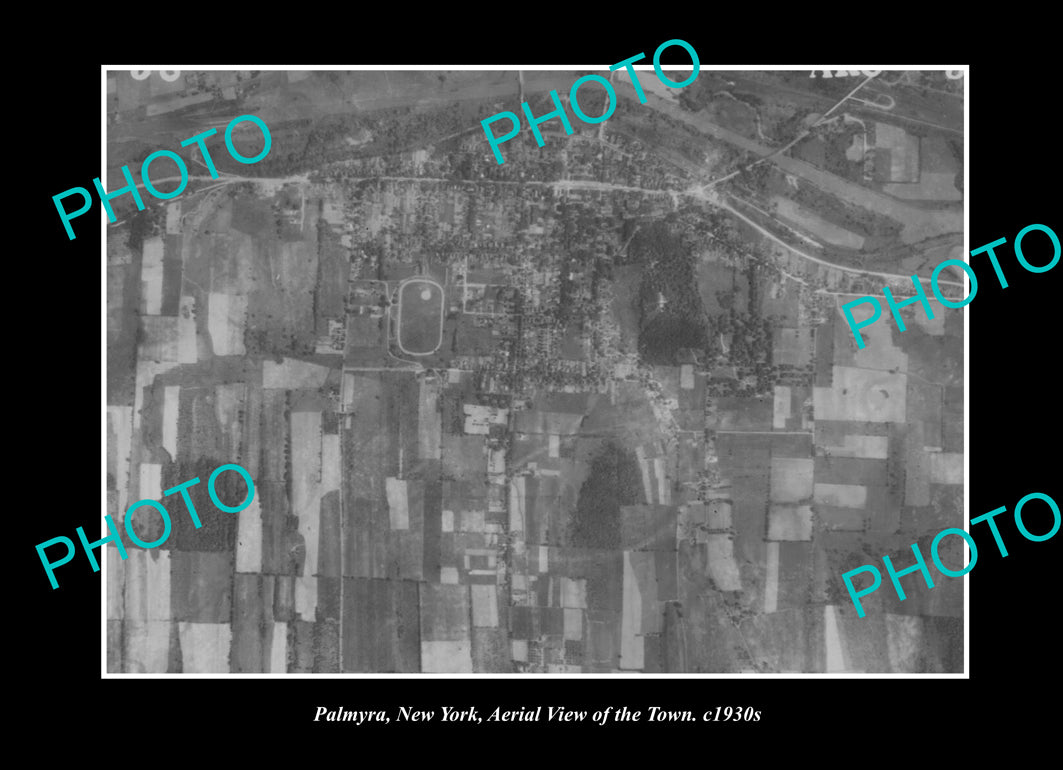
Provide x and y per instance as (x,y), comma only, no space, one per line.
(592,410)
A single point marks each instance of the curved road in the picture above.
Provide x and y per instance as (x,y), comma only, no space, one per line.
(769,234)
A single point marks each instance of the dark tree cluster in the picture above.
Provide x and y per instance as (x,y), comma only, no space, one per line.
(672,315)
(614,481)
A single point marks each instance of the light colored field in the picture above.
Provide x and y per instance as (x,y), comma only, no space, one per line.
(904,642)
(472,521)
(771,580)
(781,409)
(841,495)
(330,463)
(448,657)
(205,647)
(306,597)
(655,486)
(664,488)
(519,649)
(147,646)
(517,504)
(791,479)
(878,352)
(539,556)
(226,320)
(429,428)
(946,467)
(631,643)
(496,466)
(398,506)
(278,651)
(170,397)
(347,386)
(187,352)
(862,395)
(150,482)
(173,218)
(151,277)
(120,434)
(574,593)
(573,624)
(147,584)
(832,641)
(291,374)
(867,447)
(249,538)
(306,482)
(812,222)
(484,605)
(790,522)
(904,151)
(722,566)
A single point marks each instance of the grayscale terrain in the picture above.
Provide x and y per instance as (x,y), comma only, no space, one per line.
(595,409)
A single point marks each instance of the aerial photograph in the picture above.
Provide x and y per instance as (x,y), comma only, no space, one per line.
(595,409)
